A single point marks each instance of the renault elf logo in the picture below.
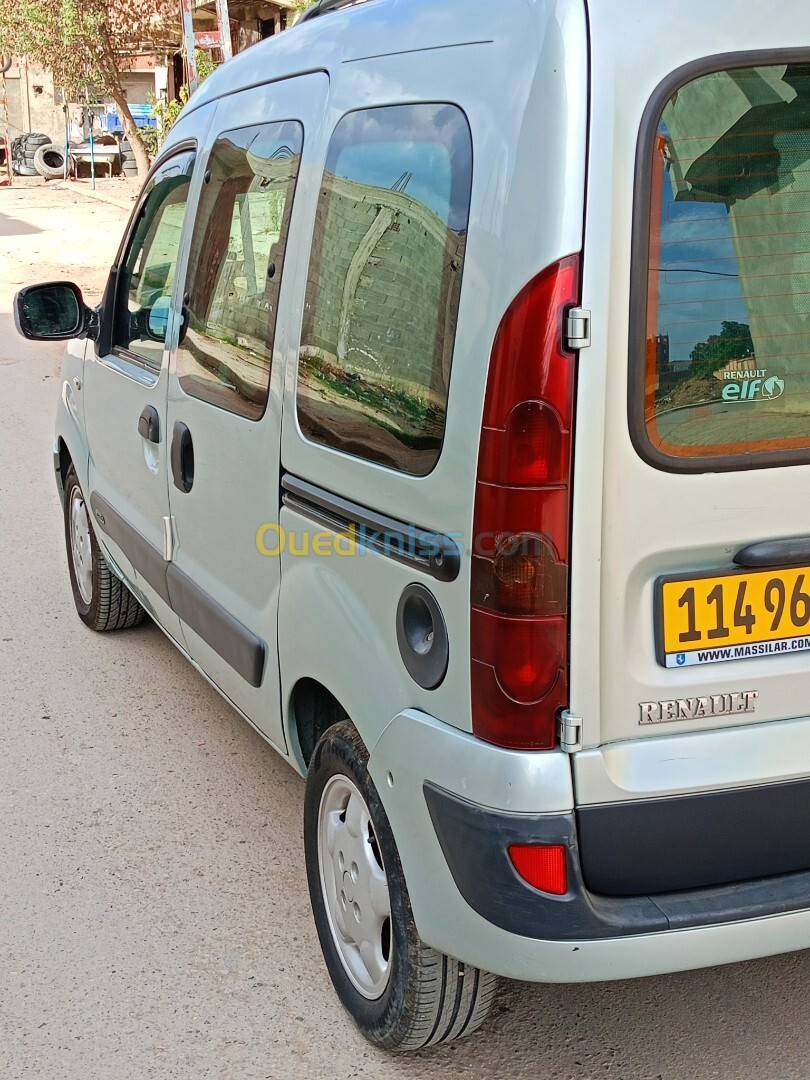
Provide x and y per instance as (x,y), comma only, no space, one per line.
(754,387)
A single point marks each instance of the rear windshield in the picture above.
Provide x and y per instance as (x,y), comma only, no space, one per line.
(727,365)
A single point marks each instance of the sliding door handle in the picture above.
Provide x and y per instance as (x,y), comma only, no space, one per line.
(182,458)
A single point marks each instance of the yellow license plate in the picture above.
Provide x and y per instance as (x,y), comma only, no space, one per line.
(731,616)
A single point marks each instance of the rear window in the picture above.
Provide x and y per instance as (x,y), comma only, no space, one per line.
(727,273)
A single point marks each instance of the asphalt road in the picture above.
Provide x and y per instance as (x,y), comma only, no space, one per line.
(154,919)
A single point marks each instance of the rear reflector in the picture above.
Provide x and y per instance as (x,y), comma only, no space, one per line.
(542,865)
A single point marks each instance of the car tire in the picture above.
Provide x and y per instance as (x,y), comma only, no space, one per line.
(49,161)
(21,169)
(401,993)
(102,600)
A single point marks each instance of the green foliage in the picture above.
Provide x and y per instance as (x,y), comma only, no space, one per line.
(734,342)
(79,40)
(205,65)
(81,43)
(167,112)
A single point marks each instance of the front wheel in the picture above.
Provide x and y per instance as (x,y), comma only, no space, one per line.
(401,993)
(102,601)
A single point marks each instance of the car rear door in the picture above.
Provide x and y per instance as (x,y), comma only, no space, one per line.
(690,607)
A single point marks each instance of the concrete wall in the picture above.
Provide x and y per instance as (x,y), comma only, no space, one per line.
(31,105)
(137,85)
(392,315)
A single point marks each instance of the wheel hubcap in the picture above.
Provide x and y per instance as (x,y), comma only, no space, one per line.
(80,548)
(354,886)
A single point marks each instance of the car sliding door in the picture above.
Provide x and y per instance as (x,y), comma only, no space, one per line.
(225,390)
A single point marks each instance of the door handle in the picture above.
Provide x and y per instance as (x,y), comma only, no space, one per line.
(794,552)
(149,424)
(182,458)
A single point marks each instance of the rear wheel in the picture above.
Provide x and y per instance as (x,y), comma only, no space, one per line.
(102,601)
(401,993)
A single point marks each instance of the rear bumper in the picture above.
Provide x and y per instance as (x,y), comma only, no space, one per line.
(475,842)
(455,804)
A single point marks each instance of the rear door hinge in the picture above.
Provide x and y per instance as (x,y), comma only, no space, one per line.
(578,328)
(570,732)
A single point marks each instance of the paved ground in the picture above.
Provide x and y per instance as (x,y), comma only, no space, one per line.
(154,920)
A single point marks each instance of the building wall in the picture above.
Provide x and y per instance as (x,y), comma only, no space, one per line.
(138,85)
(31,105)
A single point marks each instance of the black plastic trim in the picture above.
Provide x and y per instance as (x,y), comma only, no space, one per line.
(695,841)
(775,553)
(475,842)
(238,646)
(431,552)
(229,638)
(675,81)
(145,557)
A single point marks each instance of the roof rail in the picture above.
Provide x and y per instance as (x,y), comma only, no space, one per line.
(323,7)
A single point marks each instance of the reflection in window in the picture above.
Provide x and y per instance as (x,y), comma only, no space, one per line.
(384,281)
(235,267)
(147,273)
(728,313)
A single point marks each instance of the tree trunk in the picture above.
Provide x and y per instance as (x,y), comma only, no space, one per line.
(115,88)
(130,129)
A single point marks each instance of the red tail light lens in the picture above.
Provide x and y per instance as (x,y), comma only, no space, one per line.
(519,595)
(542,865)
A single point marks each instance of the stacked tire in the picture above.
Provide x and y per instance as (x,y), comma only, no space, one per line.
(23,151)
(129,167)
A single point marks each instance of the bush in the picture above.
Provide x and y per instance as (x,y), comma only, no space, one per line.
(167,112)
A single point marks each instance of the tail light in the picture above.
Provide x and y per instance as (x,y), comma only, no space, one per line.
(519,594)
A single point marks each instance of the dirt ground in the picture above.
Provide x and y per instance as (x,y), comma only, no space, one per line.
(55,230)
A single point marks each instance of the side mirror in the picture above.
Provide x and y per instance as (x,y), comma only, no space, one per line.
(53,311)
(158,318)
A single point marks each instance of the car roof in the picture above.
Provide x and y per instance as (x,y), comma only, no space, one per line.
(364,31)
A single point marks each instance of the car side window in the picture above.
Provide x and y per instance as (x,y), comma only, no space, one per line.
(147,272)
(384,284)
(235,267)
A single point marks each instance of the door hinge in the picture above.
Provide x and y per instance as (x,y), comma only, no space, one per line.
(578,328)
(168,538)
(570,732)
